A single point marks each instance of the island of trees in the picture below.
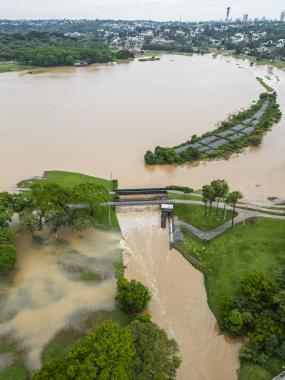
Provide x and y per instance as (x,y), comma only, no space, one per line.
(239,131)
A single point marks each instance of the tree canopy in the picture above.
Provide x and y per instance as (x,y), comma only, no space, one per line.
(133,296)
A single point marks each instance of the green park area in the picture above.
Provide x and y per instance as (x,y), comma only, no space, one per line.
(195,215)
(258,246)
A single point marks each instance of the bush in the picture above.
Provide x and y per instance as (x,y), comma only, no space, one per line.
(132,296)
(8,256)
(255,140)
(6,235)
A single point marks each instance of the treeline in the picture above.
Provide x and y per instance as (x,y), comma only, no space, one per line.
(162,156)
(44,49)
(50,207)
(258,313)
(218,190)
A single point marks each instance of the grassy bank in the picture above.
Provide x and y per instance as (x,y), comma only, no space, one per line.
(107,218)
(8,67)
(257,246)
(265,85)
(68,179)
(195,215)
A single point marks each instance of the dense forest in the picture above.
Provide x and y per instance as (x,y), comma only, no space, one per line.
(55,49)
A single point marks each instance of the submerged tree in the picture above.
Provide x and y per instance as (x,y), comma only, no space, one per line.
(29,221)
(133,296)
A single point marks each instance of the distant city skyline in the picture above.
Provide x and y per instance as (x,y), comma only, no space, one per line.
(160,10)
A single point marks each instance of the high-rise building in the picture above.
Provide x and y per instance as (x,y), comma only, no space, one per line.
(282,17)
(228,13)
(245,18)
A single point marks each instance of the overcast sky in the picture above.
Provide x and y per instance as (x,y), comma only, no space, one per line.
(140,9)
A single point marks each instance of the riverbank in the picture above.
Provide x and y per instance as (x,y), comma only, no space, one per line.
(256,246)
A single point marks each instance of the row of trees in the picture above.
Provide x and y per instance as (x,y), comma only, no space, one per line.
(54,206)
(258,312)
(218,190)
(48,206)
(7,248)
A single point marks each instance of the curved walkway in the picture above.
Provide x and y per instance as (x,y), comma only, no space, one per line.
(209,235)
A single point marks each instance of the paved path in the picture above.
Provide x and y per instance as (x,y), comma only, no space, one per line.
(241,217)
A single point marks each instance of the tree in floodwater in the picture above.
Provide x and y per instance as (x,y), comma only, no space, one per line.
(106,353)
(54,219)
(29,221)
(232,200)
(133,296)
(81,223)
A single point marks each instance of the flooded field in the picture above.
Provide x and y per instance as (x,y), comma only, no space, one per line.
(179,303)
(53,283)
(101,119)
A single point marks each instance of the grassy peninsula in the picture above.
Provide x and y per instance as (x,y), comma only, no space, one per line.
(238,132)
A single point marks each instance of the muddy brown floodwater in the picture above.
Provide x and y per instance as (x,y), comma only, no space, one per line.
(49,287)
(101,120)
(179,303)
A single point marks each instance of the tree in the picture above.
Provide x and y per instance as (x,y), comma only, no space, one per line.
(54,219)
(258,289)
(90,195)
(156,355)
(81,223)
(211,196)
(30,221)
(221,189)
(206,196)
(232,200)
(8,256)
(105,354)
(132,296)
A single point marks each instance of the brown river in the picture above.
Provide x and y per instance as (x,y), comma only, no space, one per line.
(100,120)
(179,303)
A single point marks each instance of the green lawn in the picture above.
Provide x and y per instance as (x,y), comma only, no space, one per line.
(69,179)
(7,67)
(172,195)
(260,246)
(195,215)
(15,372)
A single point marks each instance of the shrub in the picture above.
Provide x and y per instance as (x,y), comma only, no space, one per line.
(8,256)
(132,296)
(255,140)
